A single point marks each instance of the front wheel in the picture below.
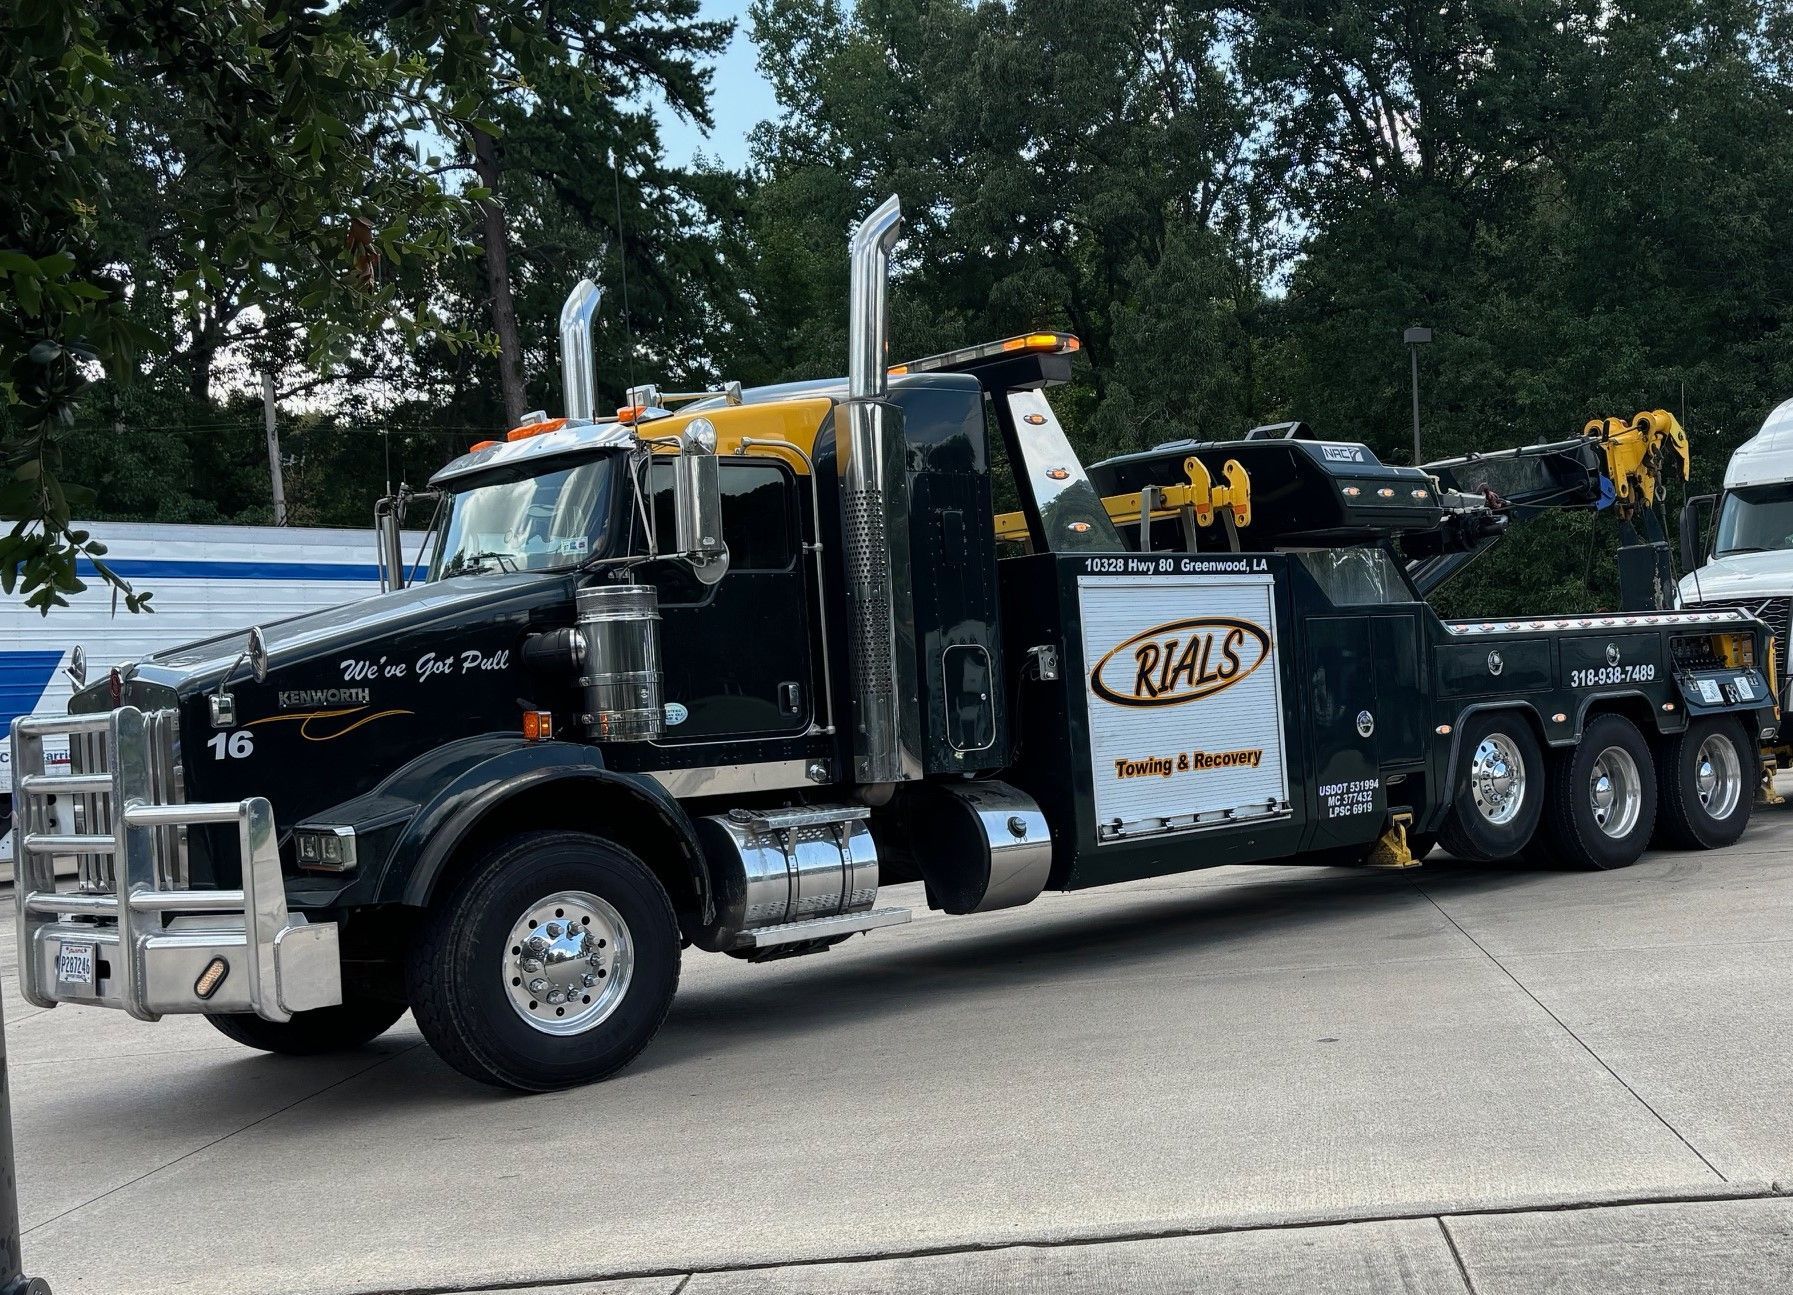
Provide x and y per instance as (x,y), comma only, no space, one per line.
(1708,776)
(308,1034)
(1602,797)
(552,964)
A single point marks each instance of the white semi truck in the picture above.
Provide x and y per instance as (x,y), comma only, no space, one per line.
(1737,545)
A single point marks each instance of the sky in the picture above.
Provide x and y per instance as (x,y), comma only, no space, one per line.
(740,98)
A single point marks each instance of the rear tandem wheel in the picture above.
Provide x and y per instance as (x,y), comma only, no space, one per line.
(1500,789)
(1602,800)
(1707,775)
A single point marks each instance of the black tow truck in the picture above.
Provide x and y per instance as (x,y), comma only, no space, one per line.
(713,672)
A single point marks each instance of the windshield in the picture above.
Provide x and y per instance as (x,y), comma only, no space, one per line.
(1755,519)
(534,523)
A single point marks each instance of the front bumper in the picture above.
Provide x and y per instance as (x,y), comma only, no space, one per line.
(152,938)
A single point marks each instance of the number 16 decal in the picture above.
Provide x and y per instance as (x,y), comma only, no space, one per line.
(232,746)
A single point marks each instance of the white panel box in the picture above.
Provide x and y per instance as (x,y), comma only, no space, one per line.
(1185,702)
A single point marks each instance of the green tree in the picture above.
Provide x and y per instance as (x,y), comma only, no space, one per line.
(545,108)
(1051,158)
(287,191)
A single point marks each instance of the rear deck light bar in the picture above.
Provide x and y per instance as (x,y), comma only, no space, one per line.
(967,356)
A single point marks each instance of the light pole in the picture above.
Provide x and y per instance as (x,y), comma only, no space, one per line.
(12,1279)
(1415,338)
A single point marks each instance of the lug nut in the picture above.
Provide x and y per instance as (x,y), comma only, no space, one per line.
(537,985)
(553,930)
(555,997)
(532,964)
(589,979)
(537,943)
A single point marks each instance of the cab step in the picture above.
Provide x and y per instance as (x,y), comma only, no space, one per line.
(823,928)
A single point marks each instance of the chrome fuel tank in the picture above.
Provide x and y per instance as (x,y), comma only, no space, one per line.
(773,867)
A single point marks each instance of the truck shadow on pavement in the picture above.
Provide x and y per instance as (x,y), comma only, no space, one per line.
(1333,918)
(1338,918)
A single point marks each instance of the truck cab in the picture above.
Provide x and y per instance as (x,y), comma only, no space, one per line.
(714,671)
(1737,546)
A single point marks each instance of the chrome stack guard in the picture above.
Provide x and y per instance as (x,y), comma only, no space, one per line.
(153,937)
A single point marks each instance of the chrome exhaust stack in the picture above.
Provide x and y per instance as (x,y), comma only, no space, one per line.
(874,493)
(870,247)
(578,370)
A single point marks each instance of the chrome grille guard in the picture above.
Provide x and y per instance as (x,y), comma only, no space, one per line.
(152,936)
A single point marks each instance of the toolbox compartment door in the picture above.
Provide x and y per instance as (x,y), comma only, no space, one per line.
(1183,689)
(1346,801)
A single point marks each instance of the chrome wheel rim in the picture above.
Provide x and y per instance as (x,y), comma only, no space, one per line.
(1615,792)
(1497,778)
(567,962)
(1718,776)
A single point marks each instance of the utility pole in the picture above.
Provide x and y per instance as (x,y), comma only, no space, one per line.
(1415,338)
(267,409)
(12,1279)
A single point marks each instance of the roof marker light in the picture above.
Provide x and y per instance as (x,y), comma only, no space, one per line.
(527,430)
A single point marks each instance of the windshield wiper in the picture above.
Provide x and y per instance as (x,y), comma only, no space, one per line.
(1747,548)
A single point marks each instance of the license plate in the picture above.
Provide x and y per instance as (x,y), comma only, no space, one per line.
(74,966)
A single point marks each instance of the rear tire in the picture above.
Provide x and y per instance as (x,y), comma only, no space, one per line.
(1602,797)
(341,1028)
(1500,789)
(551,965)
(1707,776)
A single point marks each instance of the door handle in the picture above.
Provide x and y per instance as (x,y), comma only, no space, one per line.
(790,698)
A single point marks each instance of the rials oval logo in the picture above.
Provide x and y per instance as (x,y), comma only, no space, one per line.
(1180,661)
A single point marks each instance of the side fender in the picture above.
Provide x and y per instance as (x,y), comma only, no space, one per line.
(485,775)
(1456,755)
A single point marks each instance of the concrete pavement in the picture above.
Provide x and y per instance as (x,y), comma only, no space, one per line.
(1279,1078)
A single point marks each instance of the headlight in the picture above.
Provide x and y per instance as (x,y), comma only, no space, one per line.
(325,849)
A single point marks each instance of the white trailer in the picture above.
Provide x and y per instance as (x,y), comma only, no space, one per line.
(207,580)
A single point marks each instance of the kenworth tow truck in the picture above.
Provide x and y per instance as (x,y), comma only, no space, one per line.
(713,672)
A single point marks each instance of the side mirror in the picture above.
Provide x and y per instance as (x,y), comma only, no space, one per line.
(1694,514)
(77,668)
(697,503)
(258,655)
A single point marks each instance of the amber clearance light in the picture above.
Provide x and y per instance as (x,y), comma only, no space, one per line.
(527,430)
(965,356)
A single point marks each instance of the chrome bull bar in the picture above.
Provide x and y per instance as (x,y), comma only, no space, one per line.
(151,937)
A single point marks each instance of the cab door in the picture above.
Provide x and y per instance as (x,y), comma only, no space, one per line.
(736,655)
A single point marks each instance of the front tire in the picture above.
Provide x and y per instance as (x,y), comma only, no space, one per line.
(1708,776)
(1500,789)
(552,964)
(342,1028)
(1602,797)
